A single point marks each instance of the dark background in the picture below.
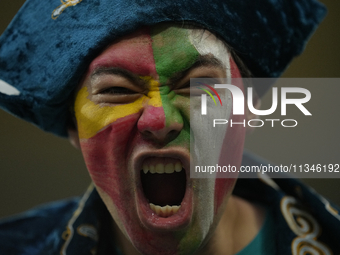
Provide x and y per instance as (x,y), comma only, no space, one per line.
(36,167)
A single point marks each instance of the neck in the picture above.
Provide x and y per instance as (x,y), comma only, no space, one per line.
(239,225)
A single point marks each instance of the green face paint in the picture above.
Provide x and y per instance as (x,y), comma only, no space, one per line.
(173,52)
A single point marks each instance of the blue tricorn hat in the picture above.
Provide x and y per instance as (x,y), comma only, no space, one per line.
(49,44)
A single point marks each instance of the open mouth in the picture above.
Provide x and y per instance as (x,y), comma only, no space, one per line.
(164,184)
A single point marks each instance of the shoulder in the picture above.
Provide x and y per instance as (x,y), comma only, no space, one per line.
(304,220)
(32,231)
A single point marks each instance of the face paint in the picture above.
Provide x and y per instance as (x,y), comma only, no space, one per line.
(173,53)
(121,131)
(172,50)
(205,43)
(212,146)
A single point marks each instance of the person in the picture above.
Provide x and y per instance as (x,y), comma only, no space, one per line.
(124,101)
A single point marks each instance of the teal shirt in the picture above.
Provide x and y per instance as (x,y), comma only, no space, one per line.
(264,242)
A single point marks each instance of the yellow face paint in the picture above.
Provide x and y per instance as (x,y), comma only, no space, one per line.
(154,93)
(92,118)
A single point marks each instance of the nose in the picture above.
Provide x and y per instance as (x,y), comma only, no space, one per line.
(160,124)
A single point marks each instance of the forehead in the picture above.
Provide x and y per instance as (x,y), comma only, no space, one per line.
(161,51)
(132,52)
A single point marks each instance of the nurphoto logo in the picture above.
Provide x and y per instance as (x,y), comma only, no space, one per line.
(222,110)
(239,104)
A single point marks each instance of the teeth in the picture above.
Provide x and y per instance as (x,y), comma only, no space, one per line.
(169,168)
(164,211)
(178,167)
(161,168)
(145,168)
(152,169)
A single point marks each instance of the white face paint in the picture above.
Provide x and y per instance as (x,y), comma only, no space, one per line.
(206,43)
(207,142)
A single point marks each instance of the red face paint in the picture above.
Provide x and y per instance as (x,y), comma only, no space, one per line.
(152,120)
(133,53)
(109,170)
(113,136)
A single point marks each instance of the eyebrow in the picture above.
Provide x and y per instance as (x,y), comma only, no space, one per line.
(117,71)
(202,61)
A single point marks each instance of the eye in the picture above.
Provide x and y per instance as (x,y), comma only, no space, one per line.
(194,88)
(117,91)
(116,95)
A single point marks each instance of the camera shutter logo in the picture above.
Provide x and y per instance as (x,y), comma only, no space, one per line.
(204,97)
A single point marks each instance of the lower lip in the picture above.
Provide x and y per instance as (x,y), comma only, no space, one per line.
(152,221)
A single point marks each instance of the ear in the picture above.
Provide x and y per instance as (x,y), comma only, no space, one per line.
(73,136)
(249,115)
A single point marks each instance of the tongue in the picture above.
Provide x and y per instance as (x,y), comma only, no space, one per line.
(164,189)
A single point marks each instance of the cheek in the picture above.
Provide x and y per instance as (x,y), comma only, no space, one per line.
(232,151)
(105,155)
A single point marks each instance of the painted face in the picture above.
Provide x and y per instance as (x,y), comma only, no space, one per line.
(133,116)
